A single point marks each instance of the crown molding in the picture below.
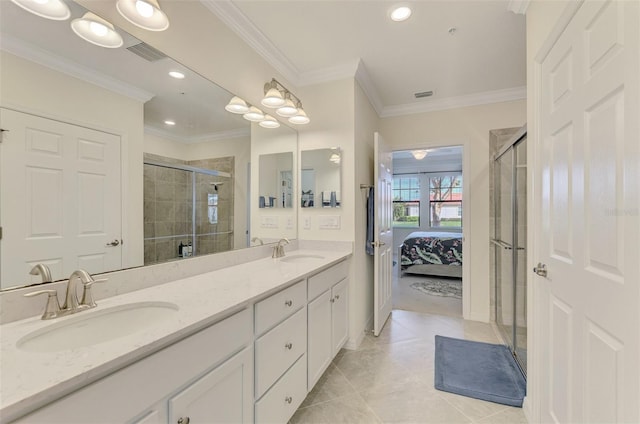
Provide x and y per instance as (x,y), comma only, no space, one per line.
(332,73)
(36,54)
(519,7)
(432,105)
(369,88)
(238,22)
(216,136)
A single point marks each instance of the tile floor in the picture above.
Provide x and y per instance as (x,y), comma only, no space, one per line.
(389,379)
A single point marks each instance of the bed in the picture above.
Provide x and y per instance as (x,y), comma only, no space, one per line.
(431,253)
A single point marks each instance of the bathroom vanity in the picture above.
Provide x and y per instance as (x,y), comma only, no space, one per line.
(242,344)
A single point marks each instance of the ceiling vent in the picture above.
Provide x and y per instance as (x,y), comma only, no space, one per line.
(423,94)
(147,52)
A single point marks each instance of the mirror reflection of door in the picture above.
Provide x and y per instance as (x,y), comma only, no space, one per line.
(308,183)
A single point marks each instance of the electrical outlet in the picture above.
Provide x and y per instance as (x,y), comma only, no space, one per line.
(306,222)
(329,222)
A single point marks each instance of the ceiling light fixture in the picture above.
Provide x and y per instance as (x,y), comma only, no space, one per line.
(335,157)
(237,105)
(400,14)
(56,10)
(419,154)
(170,123)
(143,13)
(254,114)
(269,122)
(95,30)
(176,75)
(288,104)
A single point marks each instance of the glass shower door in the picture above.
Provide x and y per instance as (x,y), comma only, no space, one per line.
(520,338)
(503,245)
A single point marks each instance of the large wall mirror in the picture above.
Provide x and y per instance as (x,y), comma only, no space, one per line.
(320,178)
(120,157)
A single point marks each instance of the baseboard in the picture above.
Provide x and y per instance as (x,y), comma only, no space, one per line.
(526,408)
(354,342)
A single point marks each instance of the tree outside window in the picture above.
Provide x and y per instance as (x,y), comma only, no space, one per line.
(406,201)
(445,201)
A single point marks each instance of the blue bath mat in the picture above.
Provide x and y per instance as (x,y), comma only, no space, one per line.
(479,370)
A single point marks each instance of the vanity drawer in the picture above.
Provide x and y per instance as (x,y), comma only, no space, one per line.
(323,281)
(276,308)
(284,398)
(277,350)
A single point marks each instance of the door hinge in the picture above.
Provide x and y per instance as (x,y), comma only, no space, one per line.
(0,233)
(2,131)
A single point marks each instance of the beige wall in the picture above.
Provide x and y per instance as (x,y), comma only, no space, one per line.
(470,128)
(32,88)
(367,123)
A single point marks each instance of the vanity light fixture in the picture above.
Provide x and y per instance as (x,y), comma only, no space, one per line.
(269,122)
(254,114)
(300,118)
(401,13)
(419,154)
(288,104)
(288,109)
(237,105)
(95,30)
(143,13)
(56,10)
(176,75)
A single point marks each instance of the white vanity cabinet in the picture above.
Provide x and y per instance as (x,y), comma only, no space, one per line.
(208,375)
(280,354)
(327,319)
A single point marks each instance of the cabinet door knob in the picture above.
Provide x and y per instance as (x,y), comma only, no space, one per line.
(288,302)
(337,296)
(288,346)
(288,399)
(184,420)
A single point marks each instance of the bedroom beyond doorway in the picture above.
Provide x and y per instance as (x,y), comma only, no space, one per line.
(427,223)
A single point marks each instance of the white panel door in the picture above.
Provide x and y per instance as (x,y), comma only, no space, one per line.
(61,198)
(589,236)
(383,232)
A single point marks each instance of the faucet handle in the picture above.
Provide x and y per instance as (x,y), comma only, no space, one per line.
(52,308)
(87,294)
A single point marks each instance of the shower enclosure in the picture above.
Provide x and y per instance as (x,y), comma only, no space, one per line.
(188,209)
(509,244)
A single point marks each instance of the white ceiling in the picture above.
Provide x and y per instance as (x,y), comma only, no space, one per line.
(312,40)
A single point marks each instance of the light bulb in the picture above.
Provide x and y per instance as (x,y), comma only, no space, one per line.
(144,9)
(98,29)
(400,14)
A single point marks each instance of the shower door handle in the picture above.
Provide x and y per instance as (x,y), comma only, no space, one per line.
(541,269)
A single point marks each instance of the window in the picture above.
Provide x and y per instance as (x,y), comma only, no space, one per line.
(406,201)
(445,201)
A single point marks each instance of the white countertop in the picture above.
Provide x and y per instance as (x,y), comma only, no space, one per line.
(29,380)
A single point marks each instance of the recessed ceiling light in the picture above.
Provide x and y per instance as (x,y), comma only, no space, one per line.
(169,122)
(400,14)
(176,74)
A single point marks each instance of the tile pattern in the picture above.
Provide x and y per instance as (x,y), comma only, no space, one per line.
(389,379)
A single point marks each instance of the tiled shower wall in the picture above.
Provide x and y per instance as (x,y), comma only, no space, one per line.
(168,207)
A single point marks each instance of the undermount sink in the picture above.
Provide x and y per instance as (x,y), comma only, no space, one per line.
(87,328)
(301,258)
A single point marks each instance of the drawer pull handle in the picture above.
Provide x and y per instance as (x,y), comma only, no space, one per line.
(184,420)
(288,302)
(289,346)
(288,399)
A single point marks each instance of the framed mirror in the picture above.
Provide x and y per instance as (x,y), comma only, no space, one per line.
(125,165)
(320,178)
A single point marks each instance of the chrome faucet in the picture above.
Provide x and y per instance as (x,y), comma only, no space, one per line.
(278,250)
(71,302)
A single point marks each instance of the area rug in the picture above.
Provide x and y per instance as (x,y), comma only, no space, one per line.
(479,370)
(445,288)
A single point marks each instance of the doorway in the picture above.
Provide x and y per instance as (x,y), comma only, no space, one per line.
(427,220)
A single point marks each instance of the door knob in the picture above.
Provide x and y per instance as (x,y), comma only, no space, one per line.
(541,269)
(114,243)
